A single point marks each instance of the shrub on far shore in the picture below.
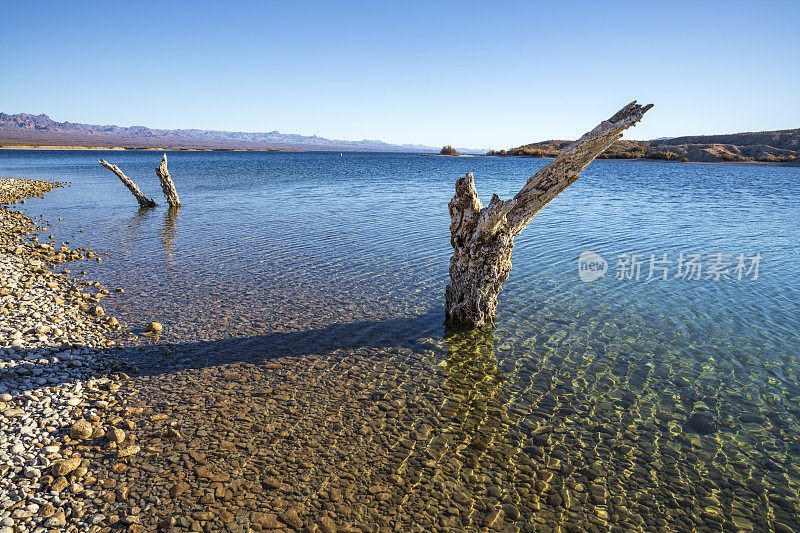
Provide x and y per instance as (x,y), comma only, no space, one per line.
(732,157)
(532,152)
(668,156)
(449,150)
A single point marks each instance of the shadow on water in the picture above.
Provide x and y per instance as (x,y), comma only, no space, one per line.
(404,332)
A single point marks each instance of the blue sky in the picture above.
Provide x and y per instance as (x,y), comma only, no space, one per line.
(473,74)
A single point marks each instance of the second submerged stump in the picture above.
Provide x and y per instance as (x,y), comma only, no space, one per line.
(166,183)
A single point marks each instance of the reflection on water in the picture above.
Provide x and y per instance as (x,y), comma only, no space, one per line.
(304,361)
(169,229)
(476,394)
(133,225)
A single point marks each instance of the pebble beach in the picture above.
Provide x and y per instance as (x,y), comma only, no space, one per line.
(58,381)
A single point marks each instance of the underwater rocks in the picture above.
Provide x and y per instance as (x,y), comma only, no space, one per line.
(703,423)
(381,438)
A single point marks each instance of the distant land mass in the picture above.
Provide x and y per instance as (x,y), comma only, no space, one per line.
(782,146)
(25,130)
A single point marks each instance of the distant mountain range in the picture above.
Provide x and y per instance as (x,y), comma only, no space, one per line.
(40,130)
(782,146)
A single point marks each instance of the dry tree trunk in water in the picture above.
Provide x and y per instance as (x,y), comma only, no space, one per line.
(143,200)
(166,184)
(483,237)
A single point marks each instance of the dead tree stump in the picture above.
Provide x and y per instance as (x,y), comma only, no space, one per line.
(166,183)
(483,237)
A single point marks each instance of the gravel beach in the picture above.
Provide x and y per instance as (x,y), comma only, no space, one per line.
(57,387)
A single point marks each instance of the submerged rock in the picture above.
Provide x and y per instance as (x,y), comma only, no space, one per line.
(290,517)
(128,451)
(265,520)
(703,423)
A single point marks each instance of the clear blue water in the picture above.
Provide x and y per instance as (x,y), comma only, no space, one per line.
(377,224)
(353,251)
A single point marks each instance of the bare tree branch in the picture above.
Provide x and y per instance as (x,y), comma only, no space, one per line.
(143,200)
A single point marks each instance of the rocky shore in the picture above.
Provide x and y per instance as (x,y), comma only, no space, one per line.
(58,389)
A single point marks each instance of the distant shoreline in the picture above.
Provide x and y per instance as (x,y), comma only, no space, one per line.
(157,149)
(454,155)
(197,149)
(647,159)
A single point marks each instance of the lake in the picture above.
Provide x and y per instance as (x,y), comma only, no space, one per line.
(304,354)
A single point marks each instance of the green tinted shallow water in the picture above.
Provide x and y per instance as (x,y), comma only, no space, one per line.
(308,368)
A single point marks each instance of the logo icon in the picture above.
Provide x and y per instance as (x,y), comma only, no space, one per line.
(591,266)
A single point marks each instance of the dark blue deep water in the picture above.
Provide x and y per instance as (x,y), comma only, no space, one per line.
(353,251)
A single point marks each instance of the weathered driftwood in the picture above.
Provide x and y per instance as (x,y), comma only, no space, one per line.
(143,200)
(166,183)
(483,237)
